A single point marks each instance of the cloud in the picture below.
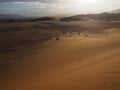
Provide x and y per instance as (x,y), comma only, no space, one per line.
(32,8)
(43,1)
(54,7)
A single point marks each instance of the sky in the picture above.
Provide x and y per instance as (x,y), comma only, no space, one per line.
(56,7)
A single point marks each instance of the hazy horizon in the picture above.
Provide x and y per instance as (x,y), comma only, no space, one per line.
(56,7)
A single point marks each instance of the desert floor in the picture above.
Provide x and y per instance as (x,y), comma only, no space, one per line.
(74,62)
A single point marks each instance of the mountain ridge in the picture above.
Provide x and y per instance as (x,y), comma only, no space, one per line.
(11,16)
(115,11)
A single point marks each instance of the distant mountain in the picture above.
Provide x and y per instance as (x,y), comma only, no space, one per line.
(10,16)
(102,16)
(115,11)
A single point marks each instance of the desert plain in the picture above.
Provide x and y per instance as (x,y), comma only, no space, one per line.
(58,55)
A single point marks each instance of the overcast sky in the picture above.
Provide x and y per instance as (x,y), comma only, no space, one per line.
(56,7)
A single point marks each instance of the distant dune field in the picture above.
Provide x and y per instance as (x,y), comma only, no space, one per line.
(76,61)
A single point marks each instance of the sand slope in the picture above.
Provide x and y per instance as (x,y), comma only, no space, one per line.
(71,63)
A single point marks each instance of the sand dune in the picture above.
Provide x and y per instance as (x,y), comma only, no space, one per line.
(71,63)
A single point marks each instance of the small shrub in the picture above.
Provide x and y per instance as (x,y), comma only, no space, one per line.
(57,38)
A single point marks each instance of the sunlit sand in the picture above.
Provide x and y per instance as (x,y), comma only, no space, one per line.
(73,62)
